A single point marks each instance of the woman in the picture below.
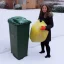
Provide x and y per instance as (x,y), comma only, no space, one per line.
(47,16)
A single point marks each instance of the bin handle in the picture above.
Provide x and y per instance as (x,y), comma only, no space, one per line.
(15,21)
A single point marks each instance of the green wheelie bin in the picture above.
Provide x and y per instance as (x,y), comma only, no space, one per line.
(19,36)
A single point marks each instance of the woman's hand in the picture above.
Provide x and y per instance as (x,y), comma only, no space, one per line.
(43,28)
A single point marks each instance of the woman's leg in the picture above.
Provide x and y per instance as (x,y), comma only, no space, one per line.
(47,49)
(42,47)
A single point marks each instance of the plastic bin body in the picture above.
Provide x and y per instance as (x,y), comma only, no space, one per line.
(19,36)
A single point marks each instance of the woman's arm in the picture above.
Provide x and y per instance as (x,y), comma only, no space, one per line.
(51,24)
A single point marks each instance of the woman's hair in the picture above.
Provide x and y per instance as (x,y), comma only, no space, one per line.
(48,13)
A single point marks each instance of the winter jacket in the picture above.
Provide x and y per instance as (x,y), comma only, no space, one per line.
(49,21)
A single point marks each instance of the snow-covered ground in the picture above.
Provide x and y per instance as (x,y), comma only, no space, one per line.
(57,44)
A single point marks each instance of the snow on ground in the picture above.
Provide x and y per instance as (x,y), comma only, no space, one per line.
(33,57)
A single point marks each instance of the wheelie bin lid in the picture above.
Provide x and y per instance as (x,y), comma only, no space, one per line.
(18,20)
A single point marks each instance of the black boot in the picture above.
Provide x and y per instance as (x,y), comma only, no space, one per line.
(42,47)
(47,56)
(42,52)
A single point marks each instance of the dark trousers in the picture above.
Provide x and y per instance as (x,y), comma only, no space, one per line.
(46,44)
